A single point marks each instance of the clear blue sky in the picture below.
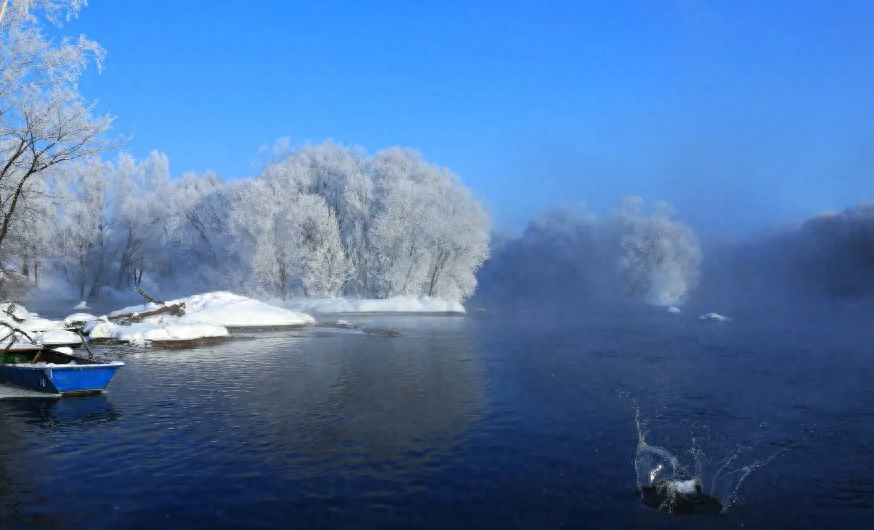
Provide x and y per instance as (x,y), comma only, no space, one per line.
(741,113)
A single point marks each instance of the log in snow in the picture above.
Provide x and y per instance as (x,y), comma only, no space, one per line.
(222,308)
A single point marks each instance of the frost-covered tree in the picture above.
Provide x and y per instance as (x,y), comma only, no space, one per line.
(339,175)
(835,252)
(659,257)
(31,230)
(322,221)
(84,251)
(560,255)
(429,236)
(326,220)
(44,121)
(285,238)
(566,255)
(320,260)
(196,226)
(139,192)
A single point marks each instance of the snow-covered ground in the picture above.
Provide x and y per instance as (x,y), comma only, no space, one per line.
(78,318)
(56,337)
(31,322)
(142,334)
(388,305)
(222,308)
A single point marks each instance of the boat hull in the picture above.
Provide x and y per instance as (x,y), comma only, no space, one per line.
(61,379)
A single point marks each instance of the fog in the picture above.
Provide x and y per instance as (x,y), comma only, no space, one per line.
(569,257)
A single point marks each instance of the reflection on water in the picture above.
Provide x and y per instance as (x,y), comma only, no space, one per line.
(64,412)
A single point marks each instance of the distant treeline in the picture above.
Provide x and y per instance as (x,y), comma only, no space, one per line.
(567,254)
(831,254)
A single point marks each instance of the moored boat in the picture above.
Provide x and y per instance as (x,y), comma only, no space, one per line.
(54,372)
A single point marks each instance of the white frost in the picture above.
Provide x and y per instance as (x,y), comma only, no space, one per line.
(387,305)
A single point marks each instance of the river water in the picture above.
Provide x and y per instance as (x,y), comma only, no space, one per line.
(486,421)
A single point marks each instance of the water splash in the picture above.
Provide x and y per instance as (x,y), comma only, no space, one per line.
(664,483)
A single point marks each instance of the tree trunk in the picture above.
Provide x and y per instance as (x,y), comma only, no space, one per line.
(283,281)
(176,309)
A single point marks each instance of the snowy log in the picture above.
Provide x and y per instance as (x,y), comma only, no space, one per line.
(176,309)
(10,311)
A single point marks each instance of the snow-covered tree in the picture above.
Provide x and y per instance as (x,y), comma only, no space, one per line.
(326,220)
(197,224)
(84,250)
(44,121)
(659,257)
(566,254)
(139,192)
(429,235)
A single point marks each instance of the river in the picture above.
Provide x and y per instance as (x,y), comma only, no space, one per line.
(522,420)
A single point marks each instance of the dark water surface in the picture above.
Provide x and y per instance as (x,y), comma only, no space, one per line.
(486,421)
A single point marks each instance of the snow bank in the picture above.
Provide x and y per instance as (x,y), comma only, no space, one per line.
(18,311)
(222,308)
(78,318)
(37,324)
(144,333)
(388,305)
(32,323)
(714,317)
(57,336)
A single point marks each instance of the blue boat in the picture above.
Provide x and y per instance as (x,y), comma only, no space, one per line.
(56,372)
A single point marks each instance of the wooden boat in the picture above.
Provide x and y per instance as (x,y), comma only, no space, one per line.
(54,372)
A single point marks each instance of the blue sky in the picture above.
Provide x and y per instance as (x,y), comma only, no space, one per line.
(741,113)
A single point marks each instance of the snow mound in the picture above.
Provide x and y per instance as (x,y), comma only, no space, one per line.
(78,318)
(222,308)
(387,305)
(674,310)
(11,314)
(714,317)
(16,310)
(37,324)
(142,334)
(57,336)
